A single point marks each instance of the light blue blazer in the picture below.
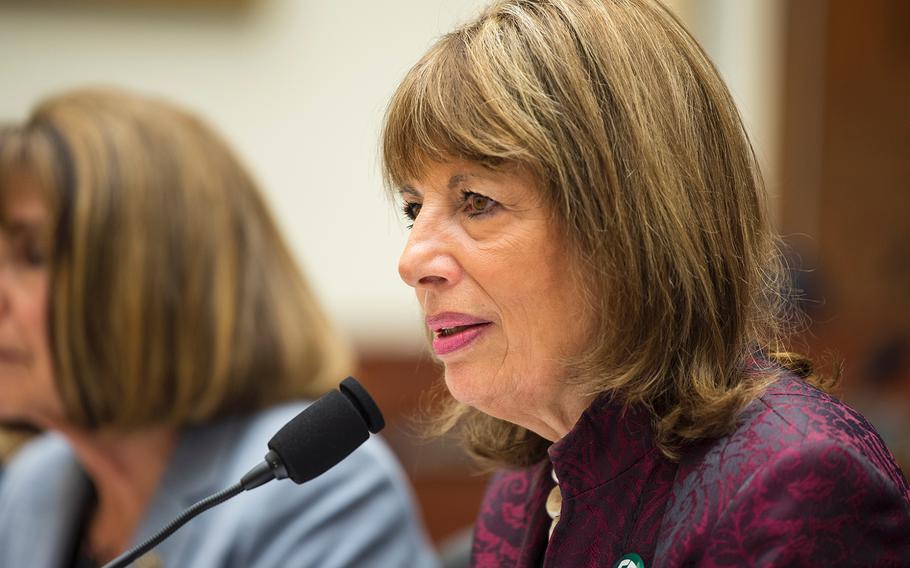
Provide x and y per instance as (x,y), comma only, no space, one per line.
(360,513)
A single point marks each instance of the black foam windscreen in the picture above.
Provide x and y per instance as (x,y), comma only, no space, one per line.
(320,436)
(364,402)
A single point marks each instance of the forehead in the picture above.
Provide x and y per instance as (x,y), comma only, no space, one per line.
(22,201)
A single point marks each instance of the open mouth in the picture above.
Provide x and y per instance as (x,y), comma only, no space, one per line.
(450,331)
(450,339)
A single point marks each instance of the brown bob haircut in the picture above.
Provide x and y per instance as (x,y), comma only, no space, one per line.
(641,156)
(173,297)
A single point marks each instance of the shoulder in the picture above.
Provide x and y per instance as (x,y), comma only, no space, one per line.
(42,492)
(47,448)
(794,418)
(791,419)
(39,469)
(801,467)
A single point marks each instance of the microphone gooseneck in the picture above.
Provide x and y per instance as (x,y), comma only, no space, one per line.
(314,441)
(132,554)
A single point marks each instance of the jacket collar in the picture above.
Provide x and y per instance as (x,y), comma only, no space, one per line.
(194,471)
(607,440)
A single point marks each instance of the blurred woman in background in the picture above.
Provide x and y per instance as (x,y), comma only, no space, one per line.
(590,246)
(12,435)
(155,324)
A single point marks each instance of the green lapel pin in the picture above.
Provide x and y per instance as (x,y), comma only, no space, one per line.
(630,560)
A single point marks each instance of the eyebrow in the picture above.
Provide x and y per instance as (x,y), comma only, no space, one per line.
(458,179)
(408,190)
(20,227)
(454,182)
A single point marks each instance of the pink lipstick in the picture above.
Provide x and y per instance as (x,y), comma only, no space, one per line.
(453,331)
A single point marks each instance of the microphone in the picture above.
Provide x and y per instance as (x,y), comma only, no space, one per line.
(313,442)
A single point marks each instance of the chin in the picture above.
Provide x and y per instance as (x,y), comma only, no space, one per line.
(473,389)
(8,418)
(463,386)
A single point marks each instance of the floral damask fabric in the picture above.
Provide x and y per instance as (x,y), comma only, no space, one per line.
(803,481)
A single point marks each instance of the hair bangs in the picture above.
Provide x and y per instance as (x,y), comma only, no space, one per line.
(447,108)
(35,155)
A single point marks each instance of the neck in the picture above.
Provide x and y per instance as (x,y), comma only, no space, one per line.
(125,469)
(556,419)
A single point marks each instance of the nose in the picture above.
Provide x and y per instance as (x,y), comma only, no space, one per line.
(428,259)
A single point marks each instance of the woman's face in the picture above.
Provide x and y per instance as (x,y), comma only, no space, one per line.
(494,279)
(27,391)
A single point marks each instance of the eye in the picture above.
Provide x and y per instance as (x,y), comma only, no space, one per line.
(34,255)
(477,204)
(411,209)
(25,251)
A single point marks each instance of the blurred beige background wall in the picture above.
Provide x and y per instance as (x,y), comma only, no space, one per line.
(299,87)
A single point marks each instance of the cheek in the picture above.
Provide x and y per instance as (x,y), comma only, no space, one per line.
(41,339)
(38,324)
(35,316)
(547,316)
(41,389)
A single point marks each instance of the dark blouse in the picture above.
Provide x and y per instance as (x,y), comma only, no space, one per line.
(803,481)
(81,558)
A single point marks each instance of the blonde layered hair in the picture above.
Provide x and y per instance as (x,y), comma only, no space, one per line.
(173,297)
(640,154)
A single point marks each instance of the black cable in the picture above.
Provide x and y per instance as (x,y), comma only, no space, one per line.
(132,554)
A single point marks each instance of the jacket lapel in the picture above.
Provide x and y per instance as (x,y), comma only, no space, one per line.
(195,471)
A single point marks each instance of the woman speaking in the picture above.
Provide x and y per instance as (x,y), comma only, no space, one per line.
(590,246)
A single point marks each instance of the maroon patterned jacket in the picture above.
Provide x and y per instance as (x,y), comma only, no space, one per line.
(803,481)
